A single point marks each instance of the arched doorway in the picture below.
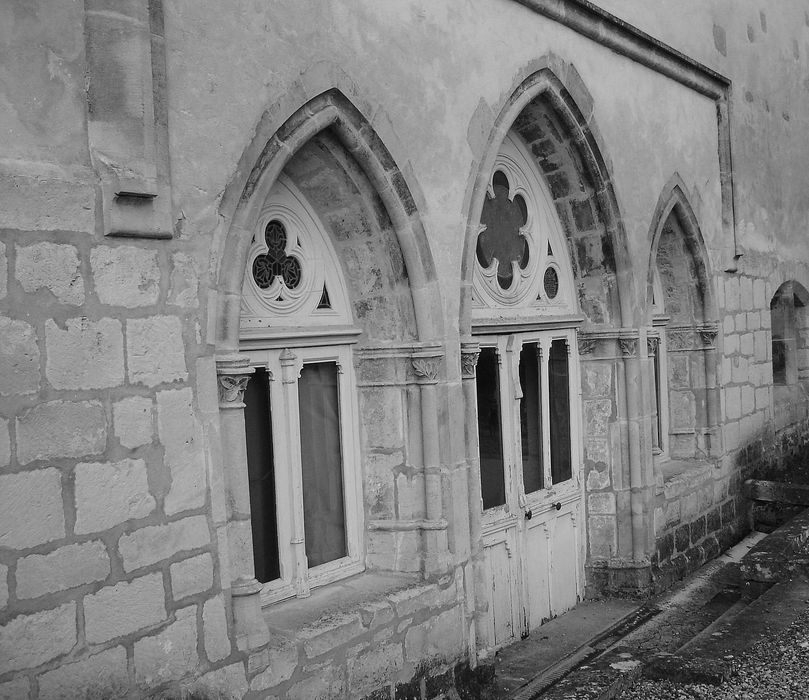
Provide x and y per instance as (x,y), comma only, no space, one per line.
(524,315)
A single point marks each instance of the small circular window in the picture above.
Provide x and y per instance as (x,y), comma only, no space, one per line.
(551,283)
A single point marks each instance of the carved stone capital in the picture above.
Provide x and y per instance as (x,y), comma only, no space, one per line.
(469,359)
(652,344)
(426,366)
(708,335)
(587,345)
(629,346)
(232,374)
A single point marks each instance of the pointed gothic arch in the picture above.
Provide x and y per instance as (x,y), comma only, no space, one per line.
(330,113)
(561,132)
(683,329)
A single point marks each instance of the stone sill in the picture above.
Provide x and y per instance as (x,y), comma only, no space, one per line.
(340,603)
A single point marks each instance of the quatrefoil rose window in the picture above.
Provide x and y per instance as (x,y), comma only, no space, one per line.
(502,245)
(520,252)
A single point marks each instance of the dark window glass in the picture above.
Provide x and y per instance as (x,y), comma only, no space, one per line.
(275,262)
(530,418)
(559,396)
(261,475)
(321,463)
(657,427)
(551,283)
(502,240)
(492,473)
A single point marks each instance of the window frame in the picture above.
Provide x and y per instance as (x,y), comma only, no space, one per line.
(284,364)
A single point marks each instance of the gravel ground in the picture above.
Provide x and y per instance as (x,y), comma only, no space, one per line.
(775,667)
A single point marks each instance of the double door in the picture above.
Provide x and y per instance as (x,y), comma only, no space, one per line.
(528,428)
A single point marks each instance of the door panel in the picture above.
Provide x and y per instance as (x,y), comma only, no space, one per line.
(528,429)
(502,577)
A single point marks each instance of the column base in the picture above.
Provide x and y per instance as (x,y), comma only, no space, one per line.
(248,621)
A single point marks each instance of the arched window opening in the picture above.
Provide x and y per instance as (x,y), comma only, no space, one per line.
(788,317)
(300,404)
(682,357)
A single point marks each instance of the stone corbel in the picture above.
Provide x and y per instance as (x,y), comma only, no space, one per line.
(127,115)
(232,374)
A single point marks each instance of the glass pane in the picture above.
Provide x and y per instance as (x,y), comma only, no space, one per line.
(321,463)
(656,427)
(502,240)
(261,475)
(492,473)
(530,418)
(559,397)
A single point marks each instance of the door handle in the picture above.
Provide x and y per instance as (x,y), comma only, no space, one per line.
(558,506)
(529,514)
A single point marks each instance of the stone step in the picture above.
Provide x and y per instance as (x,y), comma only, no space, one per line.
(712,656)
(780,555)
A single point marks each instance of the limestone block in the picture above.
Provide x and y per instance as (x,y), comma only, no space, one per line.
(748,400)
(381,417)
(51,266)
(410,496)
(329,633)
(732,294)
(193,575)
(283,662)
(124,608)
(733,402)
(597,414)
(731,344)
(746,343)
(414,599)
(3,271)
(741,321)
(85,355)
(740,370)
(746,292)
(181,436)
(19,358)
(155,350)
(46,203)
(170,654)
(682,410)
(598,479)
(157,542)
(125,275)
(754,320)
(133,421)
(727,325)
(439,637)
(759,294)
(3,586)
(379,484)
(184,283)
(61,429)
(374,667)
(761,346)
(27,641)
(69,566)
(762,399)
(601,503)
(228,683)
(603,535)
(17,689)
(327,682)
(109,493)
(31,510)
(215,628)
(596,379)
(5,444)
(102,675)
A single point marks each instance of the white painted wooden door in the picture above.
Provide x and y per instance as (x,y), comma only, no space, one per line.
(528,427)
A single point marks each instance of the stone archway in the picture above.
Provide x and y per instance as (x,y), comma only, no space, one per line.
(551,111)
(331,155)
